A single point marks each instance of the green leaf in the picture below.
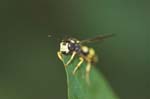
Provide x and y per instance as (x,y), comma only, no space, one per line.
(78,88)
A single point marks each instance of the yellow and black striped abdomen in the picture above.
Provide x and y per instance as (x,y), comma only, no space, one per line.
(89,54)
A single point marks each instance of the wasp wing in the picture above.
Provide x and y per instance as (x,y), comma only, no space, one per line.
(98,38)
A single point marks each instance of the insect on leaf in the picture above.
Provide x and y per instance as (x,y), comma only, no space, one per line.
(78,88)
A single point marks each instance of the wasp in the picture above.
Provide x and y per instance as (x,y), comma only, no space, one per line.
(72,46)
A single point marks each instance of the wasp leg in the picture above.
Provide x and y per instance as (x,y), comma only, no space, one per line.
(72,56)
(88,68)
(59,54)
(78,65)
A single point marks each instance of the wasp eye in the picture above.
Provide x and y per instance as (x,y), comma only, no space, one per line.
(71,46)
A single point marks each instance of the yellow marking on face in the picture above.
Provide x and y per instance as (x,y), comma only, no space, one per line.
(64,47)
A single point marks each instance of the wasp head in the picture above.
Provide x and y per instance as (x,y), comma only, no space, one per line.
(69,45)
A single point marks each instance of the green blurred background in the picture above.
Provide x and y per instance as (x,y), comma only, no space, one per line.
(29,67)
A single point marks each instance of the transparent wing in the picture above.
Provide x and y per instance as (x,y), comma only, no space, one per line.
(98,38)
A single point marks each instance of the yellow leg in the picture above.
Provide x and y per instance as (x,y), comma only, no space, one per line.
(72,56)
(59,54)
(88,68)
(78,65)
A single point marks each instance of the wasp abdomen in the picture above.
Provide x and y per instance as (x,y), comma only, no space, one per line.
(85,50)
(89,54)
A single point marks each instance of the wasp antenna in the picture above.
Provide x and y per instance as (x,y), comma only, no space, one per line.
(49,35)
(53,37)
